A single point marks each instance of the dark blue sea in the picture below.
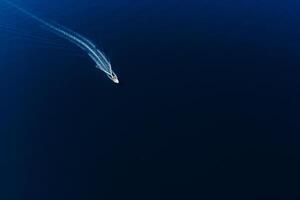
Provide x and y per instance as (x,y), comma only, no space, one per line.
(208,104)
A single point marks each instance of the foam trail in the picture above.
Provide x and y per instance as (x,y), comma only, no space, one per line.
(96,55)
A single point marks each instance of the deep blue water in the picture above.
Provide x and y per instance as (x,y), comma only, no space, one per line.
(208,105)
